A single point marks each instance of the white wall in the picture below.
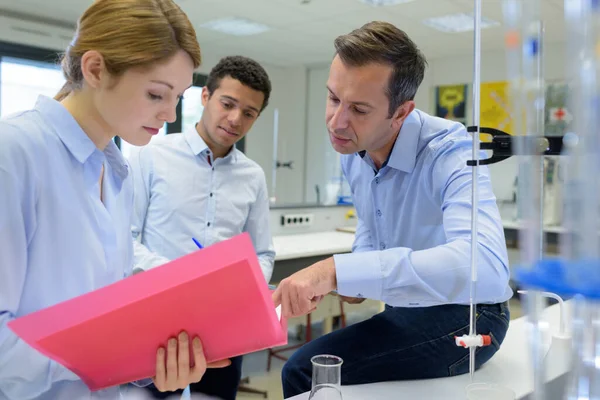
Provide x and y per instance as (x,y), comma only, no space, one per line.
(289,97)
(457,70)
(322,164)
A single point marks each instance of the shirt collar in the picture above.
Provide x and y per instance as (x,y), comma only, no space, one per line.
(198,145)
(117,162)
(75,139)
(66,128)
(404,152)
(195,141)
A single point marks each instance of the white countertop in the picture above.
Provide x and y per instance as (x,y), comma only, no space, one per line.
(510,367)
(340,241)
(312,244)
(512,224)
(506,223)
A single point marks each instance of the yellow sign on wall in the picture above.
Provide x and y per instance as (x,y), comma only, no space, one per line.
(451,102)
(495,111)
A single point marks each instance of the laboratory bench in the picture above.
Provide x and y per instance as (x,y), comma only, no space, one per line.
(510,367)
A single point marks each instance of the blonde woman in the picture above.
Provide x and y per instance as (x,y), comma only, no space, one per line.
(66,192)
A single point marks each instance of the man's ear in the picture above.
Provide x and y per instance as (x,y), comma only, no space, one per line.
(205,96)
(401,113)
(93,69)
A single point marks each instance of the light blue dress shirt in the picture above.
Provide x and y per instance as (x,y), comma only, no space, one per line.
(179,194)
(58,240)
(413,238)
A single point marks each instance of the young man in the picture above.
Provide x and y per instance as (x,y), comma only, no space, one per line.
(412,192)
(198,185)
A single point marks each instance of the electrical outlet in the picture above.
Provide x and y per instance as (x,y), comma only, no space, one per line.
(297,219)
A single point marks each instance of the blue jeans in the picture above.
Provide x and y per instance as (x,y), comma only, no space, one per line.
(399,344)
(221,383)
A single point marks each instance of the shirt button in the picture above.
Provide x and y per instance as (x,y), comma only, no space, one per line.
(382,245)
(379,213)
(377,181)
(208,224)
(211,195)
(213,168)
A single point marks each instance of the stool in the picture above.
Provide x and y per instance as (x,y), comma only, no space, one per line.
(247,389)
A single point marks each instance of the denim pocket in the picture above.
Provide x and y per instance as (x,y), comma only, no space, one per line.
(502,317)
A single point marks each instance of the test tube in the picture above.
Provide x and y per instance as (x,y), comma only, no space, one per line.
(475,180)
(580,248)
(583,145)
(524,54)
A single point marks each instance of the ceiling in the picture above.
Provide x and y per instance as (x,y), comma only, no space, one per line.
(303,30)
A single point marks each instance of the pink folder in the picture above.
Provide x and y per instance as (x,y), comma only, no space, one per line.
(110,336)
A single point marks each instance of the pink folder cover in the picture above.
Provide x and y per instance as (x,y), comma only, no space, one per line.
(110,336)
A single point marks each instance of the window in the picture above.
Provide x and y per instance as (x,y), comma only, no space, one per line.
(27,72)
(191,108)
(22,81)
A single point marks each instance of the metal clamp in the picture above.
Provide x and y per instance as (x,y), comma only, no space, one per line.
(502,145)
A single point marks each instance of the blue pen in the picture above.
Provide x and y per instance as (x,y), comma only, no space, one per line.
(197,243)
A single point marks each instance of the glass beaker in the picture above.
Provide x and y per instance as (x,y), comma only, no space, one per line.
(326,378)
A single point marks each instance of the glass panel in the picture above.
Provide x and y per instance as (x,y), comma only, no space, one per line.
(22,81)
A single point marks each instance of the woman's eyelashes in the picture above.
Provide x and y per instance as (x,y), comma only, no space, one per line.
(154,97)
(158,97)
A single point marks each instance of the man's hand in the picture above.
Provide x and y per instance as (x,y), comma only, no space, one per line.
(173,370)
(300,293)
(352,300)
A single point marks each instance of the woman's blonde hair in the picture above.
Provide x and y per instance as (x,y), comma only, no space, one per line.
(128,33)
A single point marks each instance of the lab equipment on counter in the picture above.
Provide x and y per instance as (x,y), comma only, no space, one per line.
(524,42)
(577,272)
(556,348)
(473,339)
(326,378)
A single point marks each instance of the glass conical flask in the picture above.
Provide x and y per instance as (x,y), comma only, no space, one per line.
(326,378)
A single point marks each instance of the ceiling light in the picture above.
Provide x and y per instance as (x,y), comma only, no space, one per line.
(236,26)
(461,22)
(378,3)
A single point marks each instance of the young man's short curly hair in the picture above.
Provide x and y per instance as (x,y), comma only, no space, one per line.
(247,71)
